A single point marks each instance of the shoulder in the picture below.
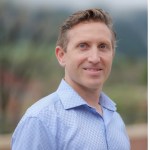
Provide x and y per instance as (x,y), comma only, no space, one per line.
(44,108)
(118,119)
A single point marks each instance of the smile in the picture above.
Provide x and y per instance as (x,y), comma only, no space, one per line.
(93,69)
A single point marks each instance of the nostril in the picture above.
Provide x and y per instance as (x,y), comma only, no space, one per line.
(94,59)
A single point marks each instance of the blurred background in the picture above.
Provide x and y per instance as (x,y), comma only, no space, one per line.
(29,69)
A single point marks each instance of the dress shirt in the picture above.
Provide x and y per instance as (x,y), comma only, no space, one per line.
(64,121)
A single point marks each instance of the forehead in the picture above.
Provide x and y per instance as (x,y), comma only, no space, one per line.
(90,30)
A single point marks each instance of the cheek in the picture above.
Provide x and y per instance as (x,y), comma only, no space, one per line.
(71,63)
(76,60)
(108,61)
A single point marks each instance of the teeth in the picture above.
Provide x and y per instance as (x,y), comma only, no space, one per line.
(94,69)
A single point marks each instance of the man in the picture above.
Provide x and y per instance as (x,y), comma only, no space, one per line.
(78,116)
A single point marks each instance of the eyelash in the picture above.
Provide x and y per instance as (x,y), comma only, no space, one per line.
(103,45)
(84,46)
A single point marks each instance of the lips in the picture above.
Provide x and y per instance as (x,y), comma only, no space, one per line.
(92,69)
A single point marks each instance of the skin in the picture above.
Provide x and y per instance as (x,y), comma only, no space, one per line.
(87,59)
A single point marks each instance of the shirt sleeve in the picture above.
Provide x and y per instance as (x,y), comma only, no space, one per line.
(31,134)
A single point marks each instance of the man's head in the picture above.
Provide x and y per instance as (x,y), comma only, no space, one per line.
(90,15)
(85,48)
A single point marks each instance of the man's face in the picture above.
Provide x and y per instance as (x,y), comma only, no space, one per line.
(88,57)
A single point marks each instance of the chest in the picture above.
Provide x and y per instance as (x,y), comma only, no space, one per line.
(87,130)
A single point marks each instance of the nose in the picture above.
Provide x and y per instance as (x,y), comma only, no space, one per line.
(94,56)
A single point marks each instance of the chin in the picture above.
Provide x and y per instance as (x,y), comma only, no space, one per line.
(95,85)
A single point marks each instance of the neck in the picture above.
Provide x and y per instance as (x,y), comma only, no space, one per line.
(91,96)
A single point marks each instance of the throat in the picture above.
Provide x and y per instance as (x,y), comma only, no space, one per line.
(92,98)
(99,109)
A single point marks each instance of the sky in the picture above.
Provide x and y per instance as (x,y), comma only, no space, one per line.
(79,4)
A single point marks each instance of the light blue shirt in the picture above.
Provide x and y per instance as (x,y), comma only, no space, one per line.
(64,121)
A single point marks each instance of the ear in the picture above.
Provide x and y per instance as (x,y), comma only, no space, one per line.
(60,55)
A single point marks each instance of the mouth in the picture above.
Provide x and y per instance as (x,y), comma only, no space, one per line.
(93,69)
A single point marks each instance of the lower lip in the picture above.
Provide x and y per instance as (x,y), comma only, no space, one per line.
(93,72)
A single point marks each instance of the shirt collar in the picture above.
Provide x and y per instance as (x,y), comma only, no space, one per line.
(106,102)
(68,96)
(71,99)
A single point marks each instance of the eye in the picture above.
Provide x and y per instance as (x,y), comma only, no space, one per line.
(103,46)
(83,46)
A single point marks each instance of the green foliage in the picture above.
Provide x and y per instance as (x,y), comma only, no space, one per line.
(127,86)
(131,101)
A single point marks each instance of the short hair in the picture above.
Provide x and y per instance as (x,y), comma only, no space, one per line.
(89,15)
